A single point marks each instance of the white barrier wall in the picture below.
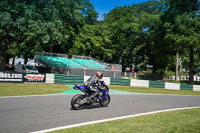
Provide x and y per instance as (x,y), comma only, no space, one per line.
(86,78)
(172,86)
(196,88)
(106,80)
(140,83)
(50,78)
(133,82)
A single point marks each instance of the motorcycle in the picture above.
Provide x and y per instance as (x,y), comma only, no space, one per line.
(80,100)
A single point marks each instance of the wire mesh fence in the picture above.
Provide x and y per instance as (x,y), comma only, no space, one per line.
(50,54)
(86,72)
(142,76)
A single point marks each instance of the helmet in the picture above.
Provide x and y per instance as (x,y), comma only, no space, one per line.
(99,74)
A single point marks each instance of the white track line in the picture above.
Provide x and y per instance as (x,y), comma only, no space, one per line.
(111,119)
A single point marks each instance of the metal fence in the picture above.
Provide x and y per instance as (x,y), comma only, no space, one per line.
(86,72)
(50,54)
(76,71)
(133,75)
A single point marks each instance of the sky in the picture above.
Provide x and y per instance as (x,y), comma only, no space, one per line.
(104,6)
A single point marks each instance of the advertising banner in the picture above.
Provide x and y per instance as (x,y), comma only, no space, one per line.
(34,77)
(11,77)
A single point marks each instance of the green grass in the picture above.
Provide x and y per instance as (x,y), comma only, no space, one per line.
(184,121)
(153,90)
(9,89)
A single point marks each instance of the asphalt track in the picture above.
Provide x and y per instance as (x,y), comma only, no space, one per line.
(35,113)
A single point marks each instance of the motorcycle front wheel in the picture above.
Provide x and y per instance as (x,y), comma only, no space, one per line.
(105,102)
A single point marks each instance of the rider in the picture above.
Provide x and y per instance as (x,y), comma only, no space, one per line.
(91,82)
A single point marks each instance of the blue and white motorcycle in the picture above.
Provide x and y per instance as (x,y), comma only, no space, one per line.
(80,100)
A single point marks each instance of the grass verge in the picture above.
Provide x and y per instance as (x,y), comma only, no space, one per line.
(184,121)
(153,90)
(16,89)
(11,89)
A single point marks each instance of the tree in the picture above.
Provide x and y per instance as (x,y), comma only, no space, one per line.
(51,25)
(6,34)
(92,41)
(180,19)
(130,30)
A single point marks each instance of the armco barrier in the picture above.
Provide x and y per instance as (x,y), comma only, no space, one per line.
(156,84)
(186,86)
(65,79)
(116,81)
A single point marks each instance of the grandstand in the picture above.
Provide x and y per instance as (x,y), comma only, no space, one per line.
(61,60)
(78,65)
(90,62)
(51,61)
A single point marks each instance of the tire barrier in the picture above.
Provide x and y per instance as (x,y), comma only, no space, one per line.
(65,79)
(70,80)
(186,87)
(117,81)
(156,84)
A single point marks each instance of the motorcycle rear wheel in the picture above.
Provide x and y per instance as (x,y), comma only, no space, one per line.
(75,102)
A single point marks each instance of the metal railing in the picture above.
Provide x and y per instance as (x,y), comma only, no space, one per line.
(50,54)
(133,75)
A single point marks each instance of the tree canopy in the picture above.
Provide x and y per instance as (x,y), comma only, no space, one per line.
(137,35)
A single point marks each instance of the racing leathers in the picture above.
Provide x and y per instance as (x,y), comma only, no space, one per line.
(90,83)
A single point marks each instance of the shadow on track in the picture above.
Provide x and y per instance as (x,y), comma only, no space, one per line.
(93,106)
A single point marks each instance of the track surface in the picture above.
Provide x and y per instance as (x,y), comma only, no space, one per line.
(29,114)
